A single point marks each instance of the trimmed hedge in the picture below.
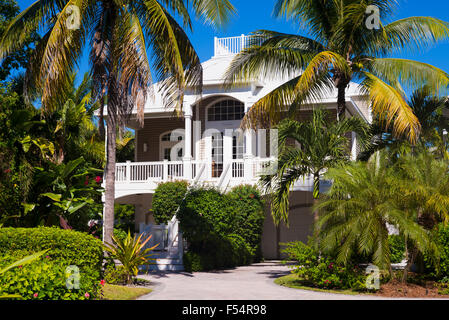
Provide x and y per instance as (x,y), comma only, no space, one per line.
(218,253)
(66,248)
(222,230)
(166,200)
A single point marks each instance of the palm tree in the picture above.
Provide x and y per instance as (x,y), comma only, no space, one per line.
(119,33)
(322,144)
(341,49)
(430,111)
(355,214)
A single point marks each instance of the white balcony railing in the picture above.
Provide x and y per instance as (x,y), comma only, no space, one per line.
(140,172)
(231,45)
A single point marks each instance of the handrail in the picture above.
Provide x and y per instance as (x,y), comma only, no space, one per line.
(223,176)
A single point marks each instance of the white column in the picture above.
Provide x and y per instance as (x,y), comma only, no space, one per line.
(249,149)
(188,144)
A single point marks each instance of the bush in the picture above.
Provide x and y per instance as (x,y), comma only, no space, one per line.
(441,271)
(167,199)
(218,253)
(322,271)
(45,279)
(397,248)
(226,227)
(67,248)
(249,206)
(115,275)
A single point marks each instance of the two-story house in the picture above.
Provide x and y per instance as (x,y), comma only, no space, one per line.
(203,146)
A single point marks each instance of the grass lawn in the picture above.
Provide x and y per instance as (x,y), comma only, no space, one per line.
(292,281)
(114,292)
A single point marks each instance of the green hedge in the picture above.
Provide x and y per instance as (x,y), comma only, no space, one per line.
(166,200)
(222,230)
(220,252)
(66,248)
(441,236)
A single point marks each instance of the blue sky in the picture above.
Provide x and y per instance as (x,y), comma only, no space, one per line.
(257,14)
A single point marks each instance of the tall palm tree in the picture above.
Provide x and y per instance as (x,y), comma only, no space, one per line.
(119,33)
(342,48)
(355,213)
(322,144)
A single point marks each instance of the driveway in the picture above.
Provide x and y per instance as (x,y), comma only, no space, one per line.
(255,282)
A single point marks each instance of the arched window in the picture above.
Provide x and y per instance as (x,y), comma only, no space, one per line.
(226,110)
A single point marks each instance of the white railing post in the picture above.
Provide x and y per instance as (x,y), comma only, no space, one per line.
(165,171)
(128,171)
(215,46)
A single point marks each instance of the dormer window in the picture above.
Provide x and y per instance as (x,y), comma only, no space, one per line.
(226,110)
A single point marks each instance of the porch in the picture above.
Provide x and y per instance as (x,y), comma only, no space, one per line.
(144,177)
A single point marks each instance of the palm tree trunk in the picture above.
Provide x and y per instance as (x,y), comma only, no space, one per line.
(341,81)
(341,101)
(111,144)
(316,194)
(108,219)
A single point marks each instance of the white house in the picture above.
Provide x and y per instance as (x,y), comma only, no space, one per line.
(204,147)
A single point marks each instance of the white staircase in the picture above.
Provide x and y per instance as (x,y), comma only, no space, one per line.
(168,253)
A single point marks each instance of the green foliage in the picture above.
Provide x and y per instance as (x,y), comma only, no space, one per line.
(218,253)
(441,236)
(66,247)
(324,144)
(167,199)
(364,199)
(130,252)
(249,205)
(322,271)
(116,275)
(397,248)
(46,279)
(222,230)
(124,217)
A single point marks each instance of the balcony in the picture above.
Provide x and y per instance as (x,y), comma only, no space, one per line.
(143,177)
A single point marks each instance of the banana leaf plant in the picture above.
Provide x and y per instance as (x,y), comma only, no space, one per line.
(66,188)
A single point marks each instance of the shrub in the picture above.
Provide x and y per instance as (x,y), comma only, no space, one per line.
(115,275)
(250,216)
(131,253)
(45,280)
(397,248)
(220,252)
(222,230)
(322,271)
(166,200)
(67,247)
(441,269)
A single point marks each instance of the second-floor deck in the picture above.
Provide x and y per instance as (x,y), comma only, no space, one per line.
(143,177)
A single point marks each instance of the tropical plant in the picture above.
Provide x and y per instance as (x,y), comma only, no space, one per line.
(130,252)
(430,111)
(64,189)
(322,144)
(354,216)
(120,32)
(342,48)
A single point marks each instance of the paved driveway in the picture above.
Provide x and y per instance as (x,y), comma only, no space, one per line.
(253,282)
